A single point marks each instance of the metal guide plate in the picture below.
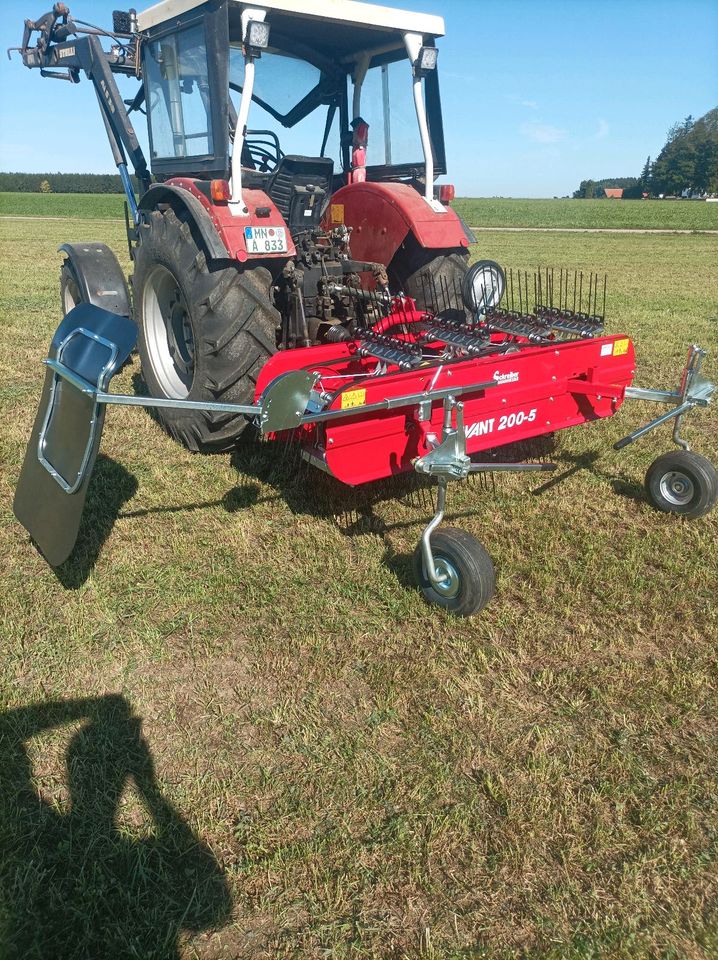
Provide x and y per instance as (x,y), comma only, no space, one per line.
(52,487)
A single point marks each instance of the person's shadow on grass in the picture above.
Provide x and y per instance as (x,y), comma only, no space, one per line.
(73,883)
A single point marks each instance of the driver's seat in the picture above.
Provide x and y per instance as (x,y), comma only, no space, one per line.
(301,187)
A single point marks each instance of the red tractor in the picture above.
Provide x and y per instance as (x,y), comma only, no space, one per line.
(322,294)
(243,246)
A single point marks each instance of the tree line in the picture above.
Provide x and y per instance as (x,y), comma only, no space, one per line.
(62,183)
(688,163)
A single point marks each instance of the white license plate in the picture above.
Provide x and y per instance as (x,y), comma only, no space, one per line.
(265,239)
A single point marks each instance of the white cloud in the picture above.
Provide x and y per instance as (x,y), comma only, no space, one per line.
(603,130)
(542,132)
(521,102)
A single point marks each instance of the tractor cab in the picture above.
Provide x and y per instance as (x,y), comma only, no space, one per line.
(284,96)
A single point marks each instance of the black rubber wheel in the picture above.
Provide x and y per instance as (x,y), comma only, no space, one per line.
(202,336)
(682,482)
(70,293)
(471,576)
(432,278)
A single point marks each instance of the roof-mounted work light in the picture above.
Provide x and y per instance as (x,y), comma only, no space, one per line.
(257,36)
(426,61)
(124,21)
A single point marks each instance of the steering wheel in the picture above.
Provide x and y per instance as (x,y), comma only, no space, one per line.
(261,147)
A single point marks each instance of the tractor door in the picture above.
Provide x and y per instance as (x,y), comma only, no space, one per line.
(186,74)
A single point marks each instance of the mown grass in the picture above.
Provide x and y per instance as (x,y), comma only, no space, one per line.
(617,214)
(81,206)
(231,728)
(586,214)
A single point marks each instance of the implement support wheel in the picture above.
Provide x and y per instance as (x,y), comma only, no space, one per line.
(682,482)
(469,576)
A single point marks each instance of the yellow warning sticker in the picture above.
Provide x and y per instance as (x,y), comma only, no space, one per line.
(353,398)
(337,213)
(620,347)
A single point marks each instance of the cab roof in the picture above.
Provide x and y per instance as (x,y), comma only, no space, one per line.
(340,29)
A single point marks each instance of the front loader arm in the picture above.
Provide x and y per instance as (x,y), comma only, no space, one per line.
(59,57)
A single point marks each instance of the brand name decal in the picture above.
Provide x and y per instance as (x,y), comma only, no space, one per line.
(511,377)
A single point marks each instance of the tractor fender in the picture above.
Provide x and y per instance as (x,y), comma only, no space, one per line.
(181,197)
(383,214)
(99,276)
(221,231)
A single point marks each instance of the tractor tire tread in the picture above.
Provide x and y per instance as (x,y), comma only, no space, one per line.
(234,326)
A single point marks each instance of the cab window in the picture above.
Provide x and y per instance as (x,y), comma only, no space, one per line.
(178,99)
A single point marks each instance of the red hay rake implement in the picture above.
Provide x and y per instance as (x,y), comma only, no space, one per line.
(425,390)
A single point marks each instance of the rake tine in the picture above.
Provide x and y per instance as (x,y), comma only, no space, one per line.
(565,293)
(526,289)
(457,299)
(605,281)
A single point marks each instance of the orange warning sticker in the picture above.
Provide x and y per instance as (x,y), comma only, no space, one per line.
(620,347)
(337,213)
(353,398)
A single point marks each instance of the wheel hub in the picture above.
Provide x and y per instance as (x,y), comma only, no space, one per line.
(168,333)
(677,488)
(179,337)
(450,583)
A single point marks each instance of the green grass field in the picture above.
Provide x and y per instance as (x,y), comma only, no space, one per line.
(231,728)
(621,214)
(81,206)
(586,214)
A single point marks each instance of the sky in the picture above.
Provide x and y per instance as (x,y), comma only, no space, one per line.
(537,94)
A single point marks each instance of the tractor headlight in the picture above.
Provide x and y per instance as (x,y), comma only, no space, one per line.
(483,286)
(427,58)
(257,34)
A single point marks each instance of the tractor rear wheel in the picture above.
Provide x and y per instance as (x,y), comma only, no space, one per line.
(202,335)
(431,277)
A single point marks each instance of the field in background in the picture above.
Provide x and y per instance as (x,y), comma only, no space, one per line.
(616,214)
(622,214)
(325,765)
(83,206)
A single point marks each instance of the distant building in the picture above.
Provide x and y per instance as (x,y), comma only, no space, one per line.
(613,193)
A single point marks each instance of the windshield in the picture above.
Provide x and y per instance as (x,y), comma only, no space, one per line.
(301,104)
(281,83)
